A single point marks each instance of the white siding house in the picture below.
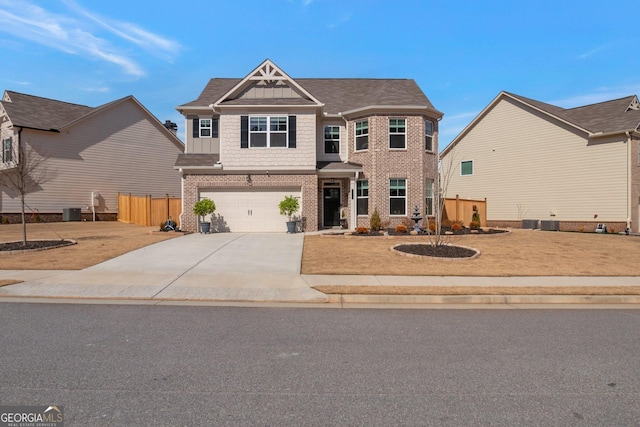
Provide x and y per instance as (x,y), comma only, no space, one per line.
(117,147)
(532,160)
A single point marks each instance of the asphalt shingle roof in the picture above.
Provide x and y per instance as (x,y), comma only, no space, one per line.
(608,116)
(42,113)
(338,95)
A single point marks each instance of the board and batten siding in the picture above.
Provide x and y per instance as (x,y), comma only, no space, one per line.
(117,150)
(529,165)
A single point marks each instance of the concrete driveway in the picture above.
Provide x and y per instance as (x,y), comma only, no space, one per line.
(214,267)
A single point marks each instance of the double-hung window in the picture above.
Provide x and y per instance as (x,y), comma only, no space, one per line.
(397,133)
(7,150)
(428,197)
(428,135)
(331,139)
(362,135)
(397,197)
(466,167)
(362,196)
(205,128)
(267,131)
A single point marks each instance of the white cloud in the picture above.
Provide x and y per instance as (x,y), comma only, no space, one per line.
(74,34)
(591,52)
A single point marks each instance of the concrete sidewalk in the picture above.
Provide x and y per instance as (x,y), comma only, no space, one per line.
(266,268)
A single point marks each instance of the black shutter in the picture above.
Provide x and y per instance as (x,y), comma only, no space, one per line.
(214,128)
(292,131)
(244,131)
(196,128)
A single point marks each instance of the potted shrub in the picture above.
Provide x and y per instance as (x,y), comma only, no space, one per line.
(203,208)
(288,207)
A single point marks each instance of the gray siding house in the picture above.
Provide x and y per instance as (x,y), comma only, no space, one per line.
(116,147)
(532,160)
(343,147)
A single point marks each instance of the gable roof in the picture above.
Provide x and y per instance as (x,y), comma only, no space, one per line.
(334,95)
(608,117)
(34,112)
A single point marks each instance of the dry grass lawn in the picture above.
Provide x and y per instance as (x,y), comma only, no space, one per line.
(97,242)
(519,253)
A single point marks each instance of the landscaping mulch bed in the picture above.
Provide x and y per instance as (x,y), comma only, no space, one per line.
(392,232)
(443,251)
(34,245)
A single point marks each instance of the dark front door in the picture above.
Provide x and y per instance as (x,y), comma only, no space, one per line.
(331,207)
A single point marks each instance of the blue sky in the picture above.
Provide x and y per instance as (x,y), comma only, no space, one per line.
(461,53)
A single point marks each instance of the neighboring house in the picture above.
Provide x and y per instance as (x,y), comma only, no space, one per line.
(531,160)
(117,147)
(344,147)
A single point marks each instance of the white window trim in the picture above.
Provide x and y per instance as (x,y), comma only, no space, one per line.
(397,133)
(358,197)
(428,135)
(338,141)
(406,192)
(201,128)
(473,169)
(355,134)
(269,131)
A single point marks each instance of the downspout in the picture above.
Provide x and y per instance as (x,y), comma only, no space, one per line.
(182,194)
(629,181)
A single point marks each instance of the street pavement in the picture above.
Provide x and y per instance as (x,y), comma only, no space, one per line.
(265,267)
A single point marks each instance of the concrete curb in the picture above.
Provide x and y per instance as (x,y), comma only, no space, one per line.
(484,299)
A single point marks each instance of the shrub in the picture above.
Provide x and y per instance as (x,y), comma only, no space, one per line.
(401,229)
(446,223)
(612,230)
(581,229)
(474,225)
(407,222)
(432,226)
(204,207)
(289,206)
(375,222)
(362,230)
(456,225)
(385,224)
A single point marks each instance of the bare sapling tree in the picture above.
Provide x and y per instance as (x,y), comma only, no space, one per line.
(25,175)
(443,177)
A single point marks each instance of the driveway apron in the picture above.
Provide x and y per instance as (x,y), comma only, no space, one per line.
(212,267)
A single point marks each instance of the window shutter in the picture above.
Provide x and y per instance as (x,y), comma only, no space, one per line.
(244,131)
(196,128)
(292,131)
(214,128)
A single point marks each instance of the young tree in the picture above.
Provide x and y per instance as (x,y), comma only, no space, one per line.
(443,177)
(24,175)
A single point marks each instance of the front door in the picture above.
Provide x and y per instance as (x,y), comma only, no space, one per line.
(331,207)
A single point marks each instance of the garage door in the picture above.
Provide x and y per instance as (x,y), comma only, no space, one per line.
(249,210)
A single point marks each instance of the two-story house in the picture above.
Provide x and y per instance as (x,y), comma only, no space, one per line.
(344,147)
(91,154)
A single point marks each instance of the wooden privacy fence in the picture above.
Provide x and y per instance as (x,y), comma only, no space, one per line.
(147,210)
(462,210)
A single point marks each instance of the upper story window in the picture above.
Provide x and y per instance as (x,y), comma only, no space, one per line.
(7,150)
(265,131)
(428,135)
(205,128)
(397,197)
(268,131)
(397,133)
(362,135)
(466,167)
(331,139)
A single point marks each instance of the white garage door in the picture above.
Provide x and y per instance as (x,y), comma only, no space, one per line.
(249,210)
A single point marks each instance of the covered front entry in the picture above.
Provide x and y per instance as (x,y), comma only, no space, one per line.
(249,210)
(331,206)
